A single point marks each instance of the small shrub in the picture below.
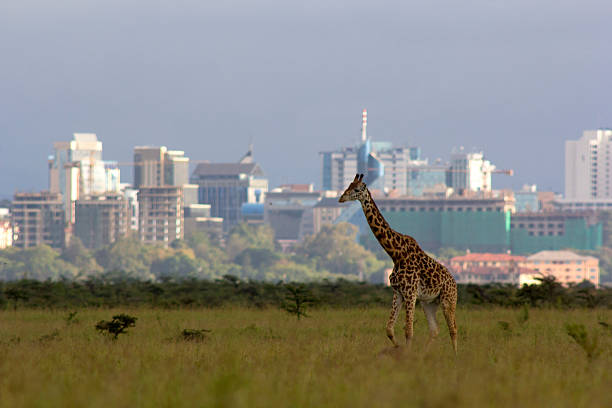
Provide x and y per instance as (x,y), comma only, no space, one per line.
(117,326)
(71,319)
(523,315)
(505,328)
(296,300)
(54,335)
(605,325)
(197,335)
(580,336)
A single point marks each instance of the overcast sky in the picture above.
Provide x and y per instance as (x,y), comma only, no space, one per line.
(511,78)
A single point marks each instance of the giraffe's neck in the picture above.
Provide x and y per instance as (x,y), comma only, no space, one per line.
(379,226)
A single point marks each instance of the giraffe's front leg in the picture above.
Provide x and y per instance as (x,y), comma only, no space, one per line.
(410,302)
(395,308)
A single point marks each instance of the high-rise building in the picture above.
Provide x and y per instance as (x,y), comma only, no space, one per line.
(340,166)
(469,172)
(588,167)
(158,166)
(131,196)
(38,218)
(77,170)
(227,186)
(161,214)
(396,170)
(101,220)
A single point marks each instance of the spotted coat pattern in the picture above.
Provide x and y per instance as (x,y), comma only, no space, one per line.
(415,274)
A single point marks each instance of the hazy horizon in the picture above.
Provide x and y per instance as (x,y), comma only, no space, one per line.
(513,80)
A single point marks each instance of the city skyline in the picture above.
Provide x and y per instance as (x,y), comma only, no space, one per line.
(515,81)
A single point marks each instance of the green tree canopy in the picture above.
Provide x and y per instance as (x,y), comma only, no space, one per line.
(335,249)
(244,236)
(40,263)
(76,254)
(129,256)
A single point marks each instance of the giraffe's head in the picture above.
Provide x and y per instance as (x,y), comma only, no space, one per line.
(355,191)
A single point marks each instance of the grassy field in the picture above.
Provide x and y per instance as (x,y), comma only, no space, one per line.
(336,358)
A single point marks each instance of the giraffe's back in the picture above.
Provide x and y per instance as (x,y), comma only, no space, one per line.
(416,269)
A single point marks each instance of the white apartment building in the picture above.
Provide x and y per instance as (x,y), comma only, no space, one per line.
(77,170)
(588,167)
(470,172)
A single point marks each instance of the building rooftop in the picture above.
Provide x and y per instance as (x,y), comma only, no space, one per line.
(331,202)
(487,270)
(227,169)
(252,209)
(558,256)
(85,137)
(488,257)
(304,188)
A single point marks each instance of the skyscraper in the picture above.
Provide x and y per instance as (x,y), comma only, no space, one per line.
(158,166)
(227,186)
(77,170)
(379,161)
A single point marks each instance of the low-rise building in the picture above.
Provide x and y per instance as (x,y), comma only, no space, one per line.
(482,268)
(290,213)
(326,211)
(198,219)
(567,267)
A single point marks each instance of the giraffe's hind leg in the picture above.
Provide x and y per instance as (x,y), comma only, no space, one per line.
(395,308)
(430,313)
(410,302)
(448,308)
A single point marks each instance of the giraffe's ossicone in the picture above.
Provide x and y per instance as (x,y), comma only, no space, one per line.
(415,274)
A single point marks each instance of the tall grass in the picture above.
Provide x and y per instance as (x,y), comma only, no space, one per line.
(266,358)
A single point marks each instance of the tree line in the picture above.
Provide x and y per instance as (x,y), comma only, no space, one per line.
(248,252)
(232,291)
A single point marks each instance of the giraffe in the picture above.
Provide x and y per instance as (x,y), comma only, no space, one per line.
(415,274)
